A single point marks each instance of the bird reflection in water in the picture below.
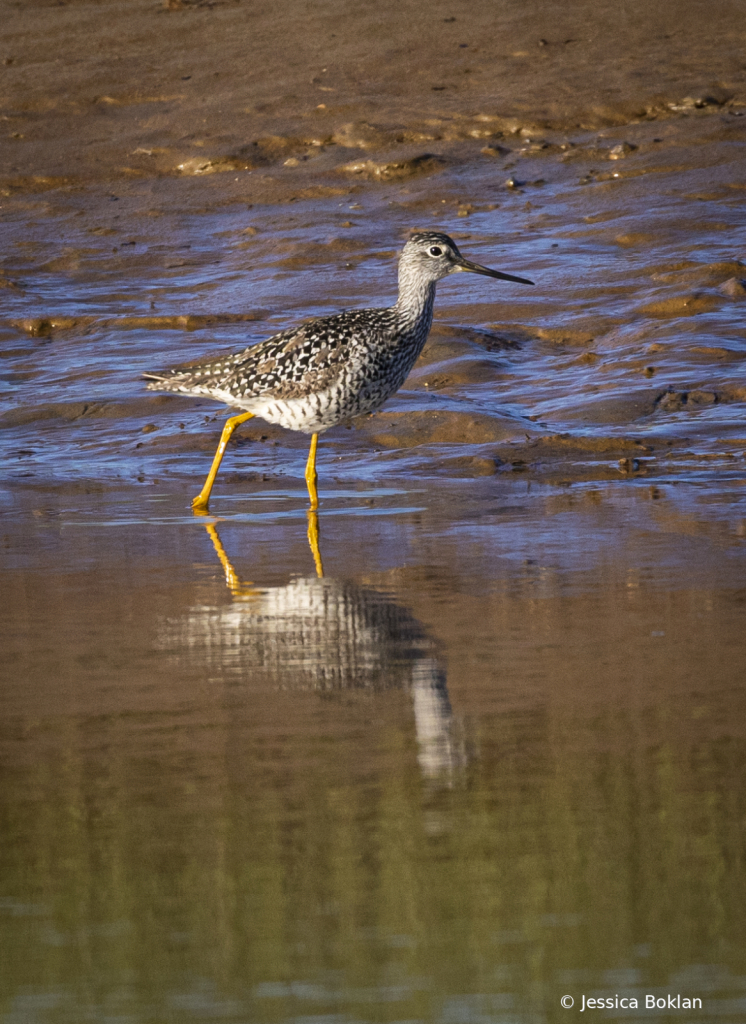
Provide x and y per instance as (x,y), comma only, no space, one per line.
(330,635)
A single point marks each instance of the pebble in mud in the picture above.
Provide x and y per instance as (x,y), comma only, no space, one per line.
(623,149)
(395,170)
(361,135)
(674,401)
(200,165)
(699,397)
(37,328)
(734,288)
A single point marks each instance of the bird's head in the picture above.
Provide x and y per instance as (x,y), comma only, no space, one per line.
(430,256)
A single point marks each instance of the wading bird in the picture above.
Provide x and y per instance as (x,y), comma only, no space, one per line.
(328,370)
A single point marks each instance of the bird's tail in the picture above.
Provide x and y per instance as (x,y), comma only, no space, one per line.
(167,382)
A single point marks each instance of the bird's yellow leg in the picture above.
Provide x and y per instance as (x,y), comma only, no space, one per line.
(313,540)
(311,476)
(201,501)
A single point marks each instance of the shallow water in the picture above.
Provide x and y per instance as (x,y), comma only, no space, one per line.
(473,769)
(496,754)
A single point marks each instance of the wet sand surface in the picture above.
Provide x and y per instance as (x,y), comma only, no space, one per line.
(496,755)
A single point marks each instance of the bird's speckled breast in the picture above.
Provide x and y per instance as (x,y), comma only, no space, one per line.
(377,356)
(322,373)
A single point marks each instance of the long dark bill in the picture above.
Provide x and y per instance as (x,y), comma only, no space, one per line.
(474,268)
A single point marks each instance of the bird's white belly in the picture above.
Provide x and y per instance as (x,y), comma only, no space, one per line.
(311,414)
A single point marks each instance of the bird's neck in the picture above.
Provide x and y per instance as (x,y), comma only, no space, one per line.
(414,307)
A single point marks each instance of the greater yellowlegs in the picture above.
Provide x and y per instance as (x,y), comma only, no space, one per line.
(328,370)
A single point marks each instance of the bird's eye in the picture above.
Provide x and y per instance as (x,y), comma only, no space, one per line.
(435,250)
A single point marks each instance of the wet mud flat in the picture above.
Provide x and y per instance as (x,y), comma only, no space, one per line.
(627,357)
(145,230)
(496,754)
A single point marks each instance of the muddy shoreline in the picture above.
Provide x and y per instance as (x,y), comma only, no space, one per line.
(116,91)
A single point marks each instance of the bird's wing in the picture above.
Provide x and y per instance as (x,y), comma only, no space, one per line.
(292,364)
(304,360)
(213,374)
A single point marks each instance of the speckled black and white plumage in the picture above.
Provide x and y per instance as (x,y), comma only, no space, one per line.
(328,370)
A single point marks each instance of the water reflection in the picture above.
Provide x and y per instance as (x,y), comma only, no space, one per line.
(213,809)
(327,635)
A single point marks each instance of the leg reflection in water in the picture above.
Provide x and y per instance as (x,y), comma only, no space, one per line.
(230,577)
(313,540)
(326,635)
